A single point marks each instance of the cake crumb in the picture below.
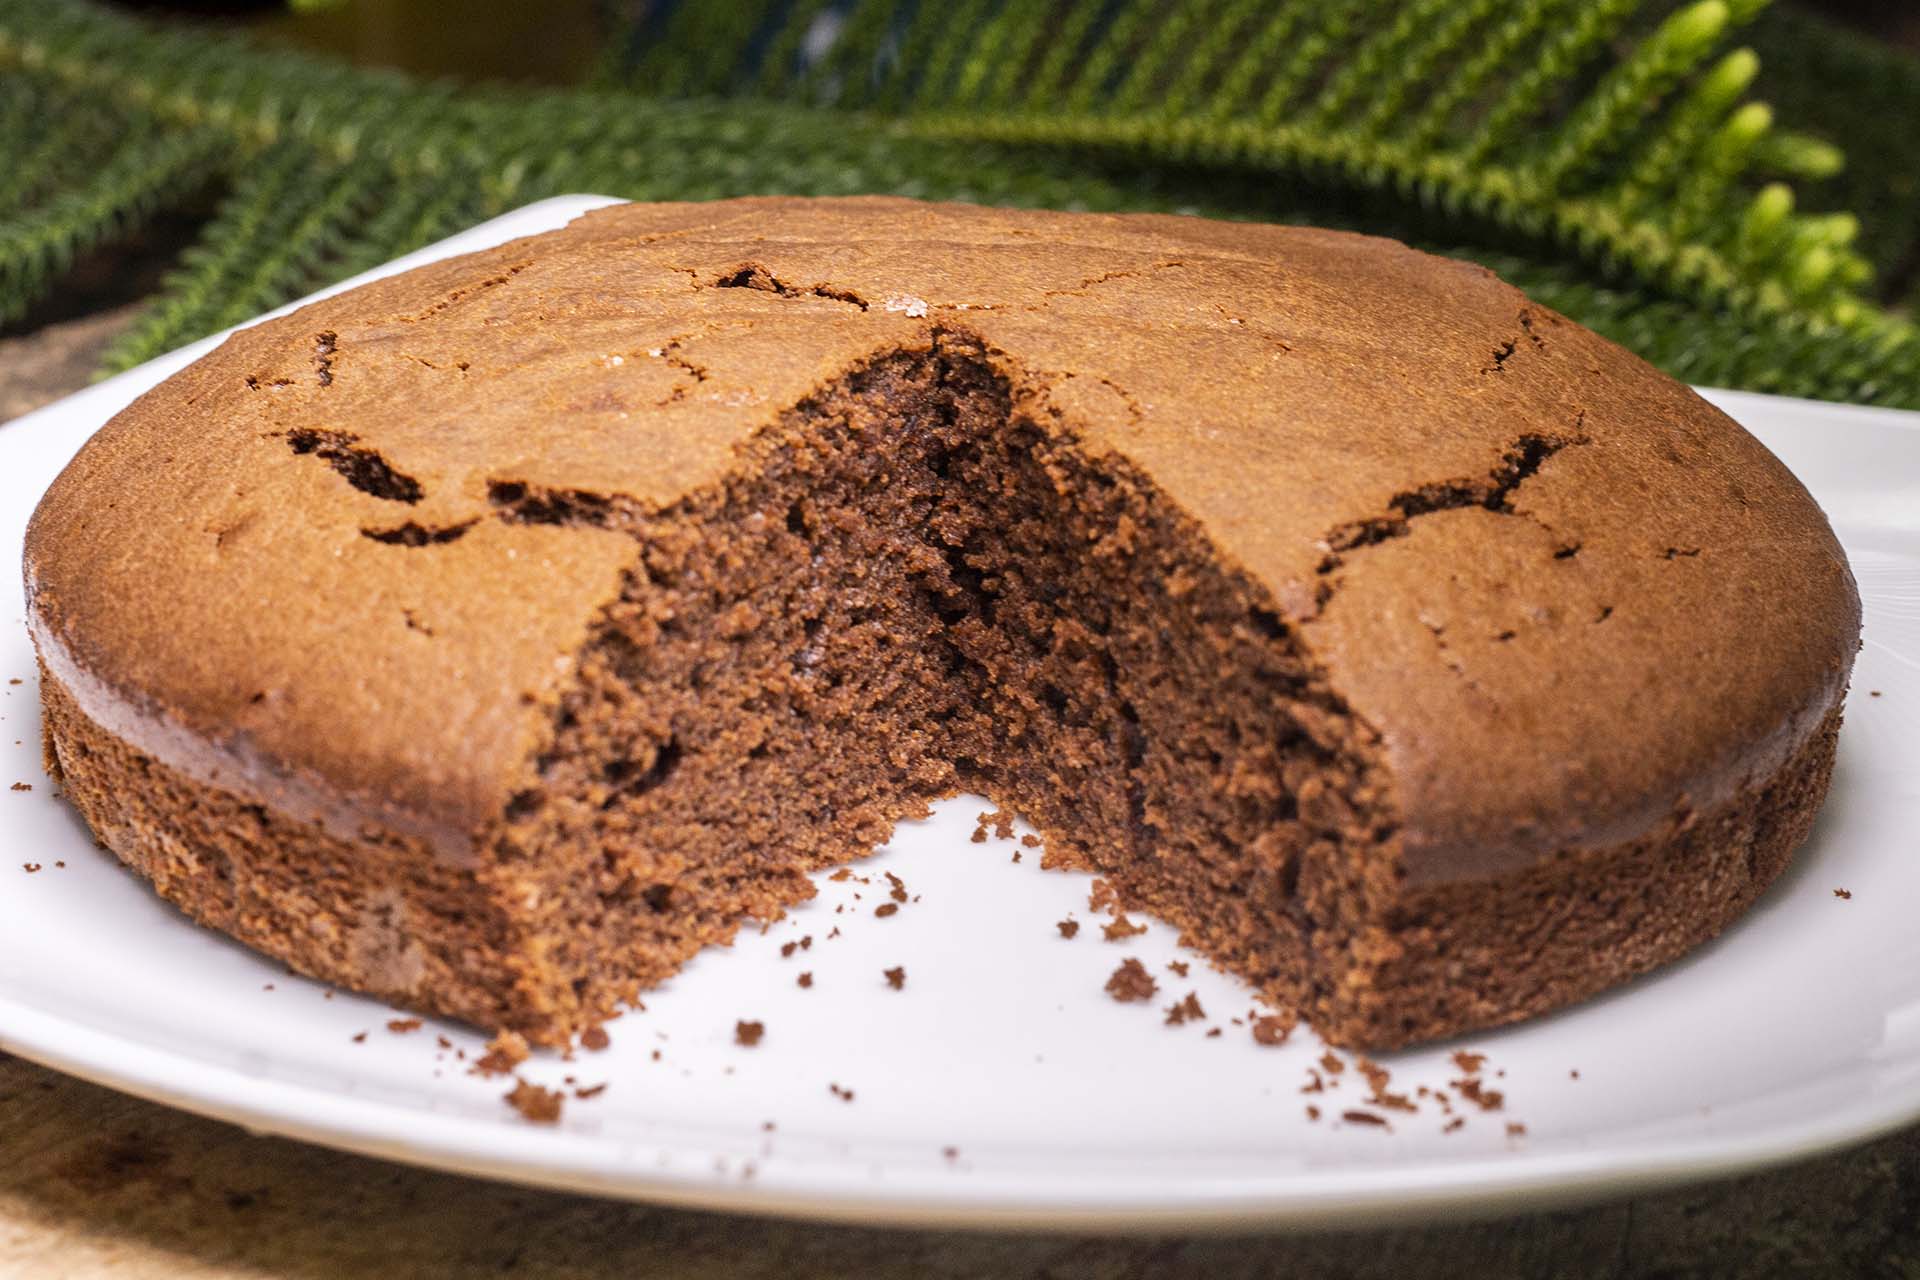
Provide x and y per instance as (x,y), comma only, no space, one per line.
(899,890)
(1331,1063)
(403,1026)
(1479,1095)
(1100,895)
(951,1153)
(747,1034)
(1030,841)
(1213,1033)
(1377,1078)
(1185,1011)
(1273,1029)
(586,1091)
(1454,1125)
(360,1038)
(504,1052)
(845,1095)
(1873,693)
(806,979)
(1313,1112)
(1843,893)
(60,863)
(1178,968)
(844,873)
(1016,855)
(536,1103)
(896,977)
(787,949)
(1515,1129)
(30,867)
(1068,928)
(886,909)
(1120,928)
(1365,1117)
(1469,1063)
(1002,823)
(23,786)
(595,1039)
(1574,1074)
(1131,982)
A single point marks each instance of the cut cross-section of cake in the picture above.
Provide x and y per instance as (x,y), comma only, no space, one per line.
(494,637)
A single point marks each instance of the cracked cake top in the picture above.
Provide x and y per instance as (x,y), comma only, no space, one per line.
(1571,598)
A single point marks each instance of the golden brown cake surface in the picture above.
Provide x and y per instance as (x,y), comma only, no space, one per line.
(346,567)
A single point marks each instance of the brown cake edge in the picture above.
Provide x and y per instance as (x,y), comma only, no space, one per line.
(382,914)
(1473,955)
(383,917)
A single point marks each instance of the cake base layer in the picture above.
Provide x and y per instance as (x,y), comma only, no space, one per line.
(379,915)
(1463,956)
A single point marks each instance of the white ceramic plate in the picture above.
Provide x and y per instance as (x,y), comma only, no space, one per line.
(1798,1031)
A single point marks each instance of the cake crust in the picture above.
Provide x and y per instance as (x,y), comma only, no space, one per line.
(1562,604)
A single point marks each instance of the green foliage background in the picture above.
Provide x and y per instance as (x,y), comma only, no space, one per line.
(1609,156)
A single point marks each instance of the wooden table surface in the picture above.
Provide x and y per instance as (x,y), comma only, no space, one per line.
(95,1184)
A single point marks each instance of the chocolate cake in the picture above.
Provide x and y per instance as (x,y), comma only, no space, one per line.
(494,637)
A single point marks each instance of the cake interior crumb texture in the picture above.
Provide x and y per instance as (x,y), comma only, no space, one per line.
(915,580)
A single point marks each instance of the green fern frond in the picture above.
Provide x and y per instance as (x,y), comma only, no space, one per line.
(1663,156)
(1451,95)
(142,173)
(1631,91)
(1799,156)
(1617,144)
(1374,62)
(1445,34)
(1286,82)
(1071,30)
(1602,153)
(276,235)
(1115,46)
(47,152)
(1140,82)
(1237,26)
(1553,66)
(1005,52)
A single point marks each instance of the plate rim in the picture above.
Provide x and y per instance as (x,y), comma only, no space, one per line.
(1485,1186)
(1297,1198)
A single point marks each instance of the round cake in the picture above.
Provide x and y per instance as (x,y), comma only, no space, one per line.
(493,637)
